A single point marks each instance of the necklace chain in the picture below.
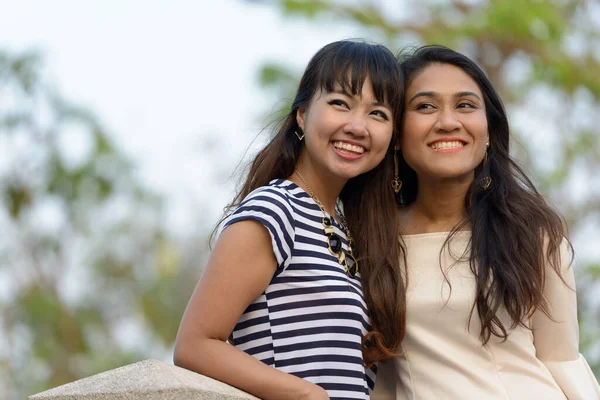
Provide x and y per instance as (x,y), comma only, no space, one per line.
(310,192)
(316,199)
(342,259)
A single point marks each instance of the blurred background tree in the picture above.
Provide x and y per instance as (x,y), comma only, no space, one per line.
(543,56)
(91,278)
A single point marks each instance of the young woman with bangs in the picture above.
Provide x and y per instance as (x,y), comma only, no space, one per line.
(279,311)
(491,308)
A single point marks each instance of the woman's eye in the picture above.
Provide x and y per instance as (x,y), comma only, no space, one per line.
(425,106)
(338,102)
(466,105)
(381,114)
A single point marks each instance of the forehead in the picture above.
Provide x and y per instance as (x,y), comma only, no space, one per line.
(443,79)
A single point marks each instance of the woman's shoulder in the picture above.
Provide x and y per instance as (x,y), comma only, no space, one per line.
(279,193)
(281,188)
(279,197)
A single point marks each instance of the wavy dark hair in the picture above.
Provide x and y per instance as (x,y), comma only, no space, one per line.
(515,233)
(369,205)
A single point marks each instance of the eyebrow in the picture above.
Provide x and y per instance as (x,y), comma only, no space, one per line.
(375,103)
(467,94)
(434,94)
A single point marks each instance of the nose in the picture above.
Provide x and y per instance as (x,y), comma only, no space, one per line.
(447,121)
(356,126)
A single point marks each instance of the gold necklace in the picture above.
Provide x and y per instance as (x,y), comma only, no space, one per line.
(334,242)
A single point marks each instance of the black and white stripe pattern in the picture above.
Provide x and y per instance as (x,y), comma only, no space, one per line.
(312,316)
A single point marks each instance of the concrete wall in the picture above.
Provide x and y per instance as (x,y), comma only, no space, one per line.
(147,380)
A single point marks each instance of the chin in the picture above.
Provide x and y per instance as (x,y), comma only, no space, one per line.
(348,172)
(346,175)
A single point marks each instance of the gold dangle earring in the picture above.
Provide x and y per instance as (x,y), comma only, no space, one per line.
(487,180)
(396,182)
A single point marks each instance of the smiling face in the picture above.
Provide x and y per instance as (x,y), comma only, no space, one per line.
(445,129)
(346,135)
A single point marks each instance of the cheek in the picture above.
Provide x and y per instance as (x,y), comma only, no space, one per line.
(410,143)
(380,141)
(414,128)
(477,126)
(323,124)
(412,147)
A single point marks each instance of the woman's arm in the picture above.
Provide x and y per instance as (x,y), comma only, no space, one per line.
(556,339)
(240,268)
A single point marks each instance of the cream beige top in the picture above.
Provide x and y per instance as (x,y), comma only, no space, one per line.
(444,357)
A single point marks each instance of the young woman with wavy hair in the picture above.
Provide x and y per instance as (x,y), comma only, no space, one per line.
(279,311)
(491,310)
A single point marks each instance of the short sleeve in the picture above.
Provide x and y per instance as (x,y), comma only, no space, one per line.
(556,339)
(271,207)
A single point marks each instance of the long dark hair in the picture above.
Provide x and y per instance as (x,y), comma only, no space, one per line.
(369,204)
(515,233)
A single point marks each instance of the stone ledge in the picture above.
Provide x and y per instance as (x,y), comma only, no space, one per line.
(147,380)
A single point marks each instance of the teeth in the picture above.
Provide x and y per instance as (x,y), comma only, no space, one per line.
(349,147)
(446,145)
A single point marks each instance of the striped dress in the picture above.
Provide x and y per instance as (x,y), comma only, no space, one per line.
(311,318)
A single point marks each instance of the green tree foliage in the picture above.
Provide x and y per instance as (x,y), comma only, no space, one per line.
(535,52)
(89,279)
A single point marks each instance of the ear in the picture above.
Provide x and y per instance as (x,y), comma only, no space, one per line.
(300,115)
